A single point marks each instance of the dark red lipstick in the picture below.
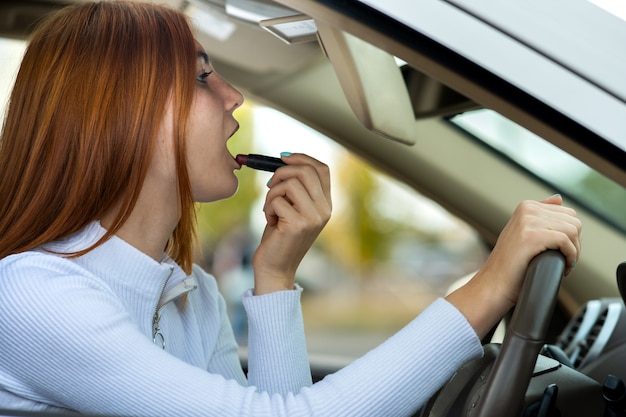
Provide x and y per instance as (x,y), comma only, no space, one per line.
(260,162)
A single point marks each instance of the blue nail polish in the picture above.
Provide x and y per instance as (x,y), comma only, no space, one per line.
(285,153)
(268,181)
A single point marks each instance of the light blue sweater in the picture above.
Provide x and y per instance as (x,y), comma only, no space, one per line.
(88,334)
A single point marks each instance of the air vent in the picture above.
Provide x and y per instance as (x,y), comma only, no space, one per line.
(570,333)
(583,348)
(590,330)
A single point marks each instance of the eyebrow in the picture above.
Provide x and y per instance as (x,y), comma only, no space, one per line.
(203,55)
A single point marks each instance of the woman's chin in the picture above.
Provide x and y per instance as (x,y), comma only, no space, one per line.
(217,193)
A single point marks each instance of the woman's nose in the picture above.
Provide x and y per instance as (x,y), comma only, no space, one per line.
(234,98)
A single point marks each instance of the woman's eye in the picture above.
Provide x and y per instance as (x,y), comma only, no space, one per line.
(203,76)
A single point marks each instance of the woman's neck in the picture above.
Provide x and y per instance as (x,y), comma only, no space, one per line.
(149,226)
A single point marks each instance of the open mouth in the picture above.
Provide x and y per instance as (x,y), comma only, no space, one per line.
(234,131)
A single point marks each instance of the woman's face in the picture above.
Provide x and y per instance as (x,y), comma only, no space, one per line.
(210,125)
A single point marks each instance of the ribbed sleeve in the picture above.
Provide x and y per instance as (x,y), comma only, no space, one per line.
(406,370)
(277,355)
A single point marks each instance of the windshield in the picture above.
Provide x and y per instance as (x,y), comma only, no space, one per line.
(559,169)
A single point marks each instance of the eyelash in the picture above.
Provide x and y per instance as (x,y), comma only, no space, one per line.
(204,76)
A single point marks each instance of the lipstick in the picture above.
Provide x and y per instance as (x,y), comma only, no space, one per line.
(260,162)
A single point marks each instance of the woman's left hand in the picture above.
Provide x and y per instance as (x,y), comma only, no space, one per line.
(534,227)
(297,207)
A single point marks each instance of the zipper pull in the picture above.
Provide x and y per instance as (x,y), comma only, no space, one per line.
(157,336)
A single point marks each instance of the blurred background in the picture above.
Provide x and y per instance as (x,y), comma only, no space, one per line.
(386,253)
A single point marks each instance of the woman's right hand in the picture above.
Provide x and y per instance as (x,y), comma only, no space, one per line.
(534,228)
(297,207)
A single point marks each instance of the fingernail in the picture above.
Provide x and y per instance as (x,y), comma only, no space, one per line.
(574,263)
(285,153)
(555,195)
(269,181)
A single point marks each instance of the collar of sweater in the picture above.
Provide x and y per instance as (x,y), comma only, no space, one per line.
(125,268)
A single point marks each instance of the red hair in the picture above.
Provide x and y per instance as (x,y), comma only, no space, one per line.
(83,118)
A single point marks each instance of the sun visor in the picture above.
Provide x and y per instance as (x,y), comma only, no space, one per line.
(372,82)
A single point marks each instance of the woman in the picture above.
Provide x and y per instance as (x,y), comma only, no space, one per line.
(117,124)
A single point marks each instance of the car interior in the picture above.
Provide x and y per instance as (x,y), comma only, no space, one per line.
(410,88)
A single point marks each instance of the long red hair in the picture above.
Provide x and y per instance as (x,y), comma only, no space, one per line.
(83,117)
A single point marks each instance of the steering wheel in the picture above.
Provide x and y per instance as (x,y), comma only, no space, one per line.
(496,384)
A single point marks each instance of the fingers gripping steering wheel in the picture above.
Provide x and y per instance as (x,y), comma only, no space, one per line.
(495,385)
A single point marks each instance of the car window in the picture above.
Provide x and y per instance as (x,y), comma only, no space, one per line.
(386,253)
(572,177)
